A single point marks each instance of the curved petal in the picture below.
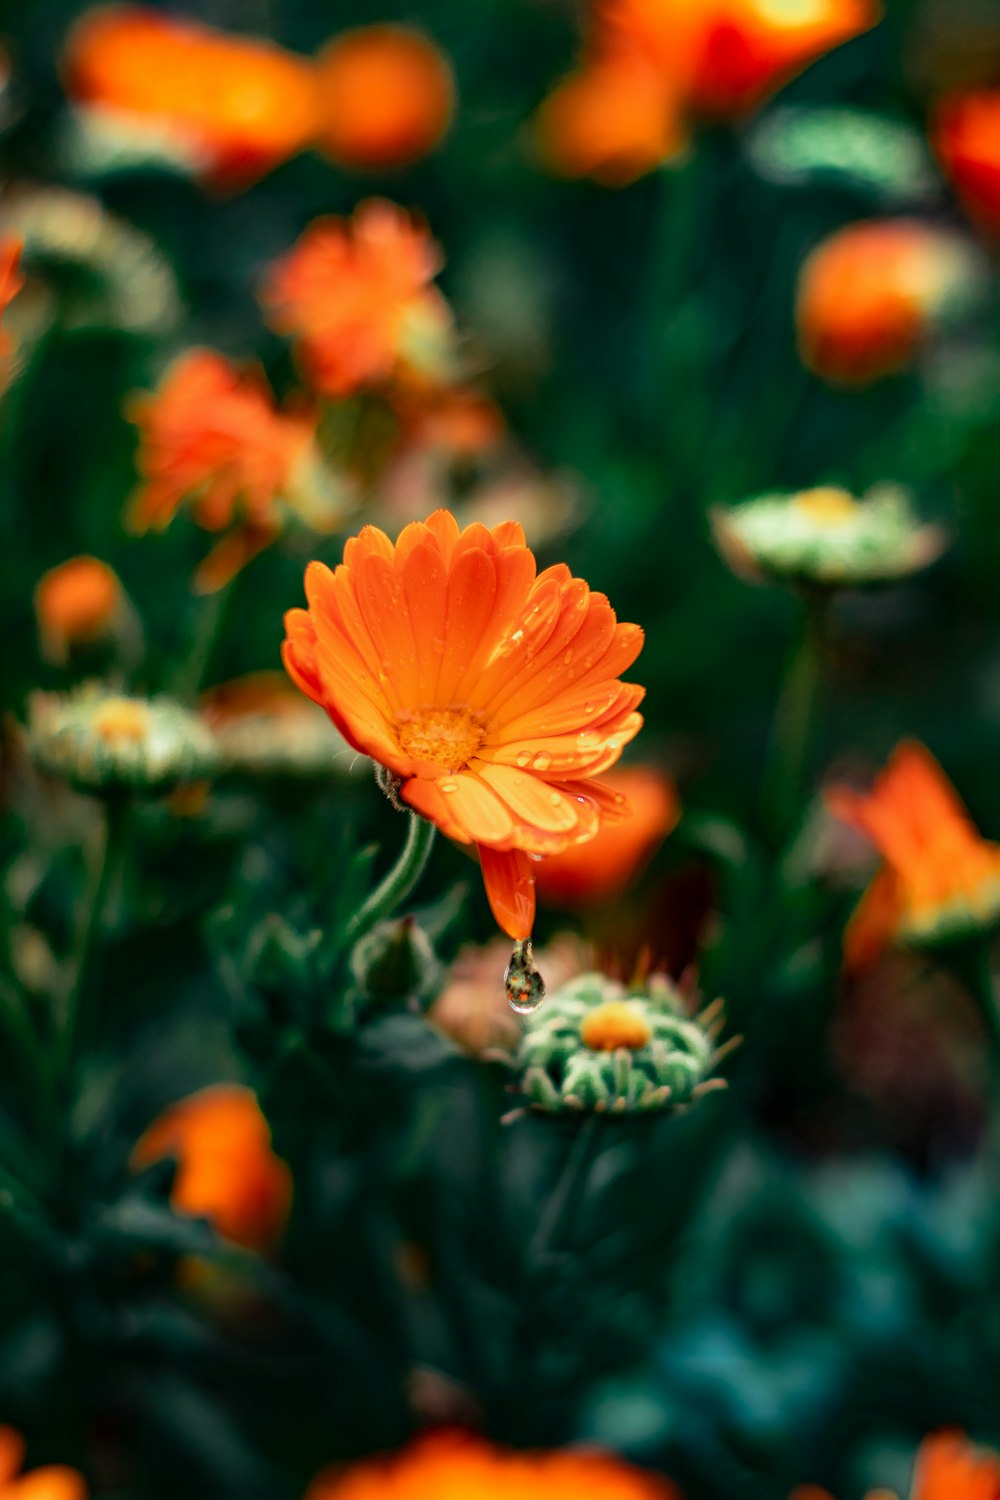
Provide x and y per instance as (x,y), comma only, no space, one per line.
(510,889)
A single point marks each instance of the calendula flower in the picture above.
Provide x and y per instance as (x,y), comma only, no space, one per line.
(826,537)
(587,874)
(948,1467)
(651,67)
(53,1482)
(78,603)
(226,1170)
(491,694)
(595,1045)
(212,436)
(263,726)
(102,740)
(614,120)
(386,97)
(356,295)
(230,107)
(869,296)
(939,880)
(447,1463)
(965,133)
(11,282)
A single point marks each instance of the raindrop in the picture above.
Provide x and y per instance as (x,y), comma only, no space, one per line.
(522,759)
(567,658)
(525,986)
(542,761)
(448,786)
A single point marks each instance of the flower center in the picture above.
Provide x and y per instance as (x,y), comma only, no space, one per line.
(827,507)
(119,719)
(615,1024)
(447,737)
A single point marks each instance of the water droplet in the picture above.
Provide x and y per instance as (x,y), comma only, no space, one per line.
(567,658)
(524,985)
(555,799)
(522,759)
(541,761)
(588,708)
(448,786)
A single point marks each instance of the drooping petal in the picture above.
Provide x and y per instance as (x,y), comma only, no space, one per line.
(510,889)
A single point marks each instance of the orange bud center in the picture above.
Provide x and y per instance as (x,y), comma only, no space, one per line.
(827,507)
(120,719)
(446,737)
(616,1024)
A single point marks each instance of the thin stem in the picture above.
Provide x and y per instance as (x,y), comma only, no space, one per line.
(400,881)
(78,1016)
(193,670)
(795,719)
(557,1220)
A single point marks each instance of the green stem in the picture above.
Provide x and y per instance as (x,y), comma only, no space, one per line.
(556,1222)
(400,881)
(78,1016)
(191,674)
(795,720)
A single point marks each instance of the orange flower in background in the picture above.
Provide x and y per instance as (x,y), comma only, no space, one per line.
(966,136)
(613,120)
(869,294)
(357,296)
(212,435)
(11,282)
(652,66)
(939,879)
(587,874)
(226,1170)
(386,94)
(77,603)
(54,1482)
(458,420)
(490,693)
(234,105)
(449,1465)
(948,1468)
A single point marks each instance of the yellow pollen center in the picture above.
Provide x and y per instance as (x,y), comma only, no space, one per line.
(615,1024)
(119,719)
(446,737)
(827,507)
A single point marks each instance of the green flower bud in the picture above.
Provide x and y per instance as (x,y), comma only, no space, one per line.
(395,962)
(596,1046)
(100,740)
(826,537)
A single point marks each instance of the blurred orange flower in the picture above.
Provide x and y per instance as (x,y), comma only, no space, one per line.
(234,105)
(78,602)
(11,282)
(54,1482)
(966,137)
(939,879)
(226,1170)
(457,420)
(948,1468)
(586,874)
(213,436)
(357,295)
(651,66)
(448,1465)
(491,694)
(868,295)
(386,94)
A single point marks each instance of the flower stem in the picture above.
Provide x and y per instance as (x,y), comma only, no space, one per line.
(78,1015)
(213,612)
(795,719)
(400,881)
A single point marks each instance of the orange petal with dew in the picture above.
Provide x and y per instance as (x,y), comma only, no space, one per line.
(510,889)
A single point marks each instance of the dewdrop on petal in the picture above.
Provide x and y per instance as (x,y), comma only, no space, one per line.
(598,1046)
(524,984)
(100,740)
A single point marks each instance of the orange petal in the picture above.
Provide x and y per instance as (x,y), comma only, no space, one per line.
(475,807)
(510,889)
(11,1453)
(875,922)
(472,587)
(530,799)
(425,586)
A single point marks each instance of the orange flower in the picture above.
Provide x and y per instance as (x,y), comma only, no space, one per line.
(213,436)
(614,120)
(234,105)
(490,693)
(452,1465)
(939,880)
(587,874)
(457,420)
(966,137)
(948,1468)
(357,294)
(11,282)
(226,1170)
(869,294)
(387,96)
(54,1482)
(77,603)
